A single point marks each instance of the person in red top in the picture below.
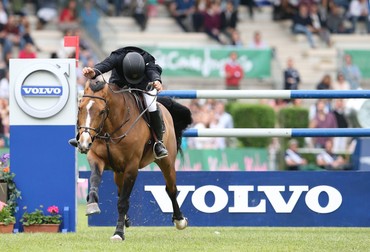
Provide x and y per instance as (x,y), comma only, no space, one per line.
(234,72)
(69,13)
(27,52)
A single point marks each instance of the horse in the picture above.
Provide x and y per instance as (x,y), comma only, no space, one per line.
(114,134)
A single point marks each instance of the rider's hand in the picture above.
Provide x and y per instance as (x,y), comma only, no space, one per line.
(158,85)
(88,72)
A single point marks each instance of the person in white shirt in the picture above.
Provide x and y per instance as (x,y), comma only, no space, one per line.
(4,84)
(257,42)
(358,11)
(224,121)
(3,15)
(340,83)
(293,160)
(330,161)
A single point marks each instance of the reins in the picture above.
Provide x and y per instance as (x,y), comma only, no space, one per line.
(107,137)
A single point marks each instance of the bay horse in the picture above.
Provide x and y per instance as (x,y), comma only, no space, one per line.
(114,134)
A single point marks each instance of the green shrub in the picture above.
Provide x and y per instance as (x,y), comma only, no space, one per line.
(293,117)
(253,116)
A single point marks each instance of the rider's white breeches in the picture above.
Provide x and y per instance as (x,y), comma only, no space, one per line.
(151,100)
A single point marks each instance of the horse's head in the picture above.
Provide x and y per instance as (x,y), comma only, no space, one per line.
(92,113)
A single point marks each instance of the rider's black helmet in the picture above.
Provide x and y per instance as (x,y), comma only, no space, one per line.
(133,67)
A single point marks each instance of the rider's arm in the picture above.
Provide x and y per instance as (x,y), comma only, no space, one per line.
(153,71)
(107,64)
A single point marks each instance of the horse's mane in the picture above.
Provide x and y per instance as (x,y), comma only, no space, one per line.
(96,86)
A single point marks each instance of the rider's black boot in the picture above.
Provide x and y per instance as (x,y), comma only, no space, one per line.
(160,150)
(73,142)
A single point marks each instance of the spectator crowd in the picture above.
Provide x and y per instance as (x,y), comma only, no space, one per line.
(17,41)
(219,19)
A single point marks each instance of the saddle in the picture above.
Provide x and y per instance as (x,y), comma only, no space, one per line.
(140,102)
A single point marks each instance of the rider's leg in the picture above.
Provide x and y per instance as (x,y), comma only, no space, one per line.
(156,123)
(73,142)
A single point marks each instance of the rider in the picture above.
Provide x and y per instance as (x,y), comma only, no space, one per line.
(136,68)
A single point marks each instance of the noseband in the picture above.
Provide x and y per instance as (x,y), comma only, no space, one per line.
(101,125)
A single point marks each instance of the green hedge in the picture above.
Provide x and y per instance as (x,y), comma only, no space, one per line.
(252,116)
(293,117)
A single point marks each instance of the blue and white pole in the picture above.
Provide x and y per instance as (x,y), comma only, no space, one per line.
(43,101)
(272,132)
(265,94)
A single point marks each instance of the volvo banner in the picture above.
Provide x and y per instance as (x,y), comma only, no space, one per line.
(244,199)
(43,102)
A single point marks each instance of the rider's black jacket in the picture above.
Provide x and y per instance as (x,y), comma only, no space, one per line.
(114,62)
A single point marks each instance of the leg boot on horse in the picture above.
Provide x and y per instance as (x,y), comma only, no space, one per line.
(160,150)
(93,197)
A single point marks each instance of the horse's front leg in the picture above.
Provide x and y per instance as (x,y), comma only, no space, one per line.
(178,218)
(125,183)
(92,206)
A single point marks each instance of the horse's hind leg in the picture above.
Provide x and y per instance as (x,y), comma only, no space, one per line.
(125,183)
(170,177)
(92,206)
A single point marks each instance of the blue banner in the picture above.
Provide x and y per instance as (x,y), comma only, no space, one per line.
(45,170)
(244,199)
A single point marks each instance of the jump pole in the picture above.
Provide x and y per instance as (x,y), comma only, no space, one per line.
(272,132)
(266,94)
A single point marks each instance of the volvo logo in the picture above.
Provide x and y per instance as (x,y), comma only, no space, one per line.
(42,90)
(240,202)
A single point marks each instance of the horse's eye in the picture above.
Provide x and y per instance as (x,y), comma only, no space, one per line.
(102,112)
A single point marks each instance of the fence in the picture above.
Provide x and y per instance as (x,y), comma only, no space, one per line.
(240,198)
(272,94)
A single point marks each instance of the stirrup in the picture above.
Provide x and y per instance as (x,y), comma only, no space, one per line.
(162,150)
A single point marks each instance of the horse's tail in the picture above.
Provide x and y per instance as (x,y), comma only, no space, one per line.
(181,116)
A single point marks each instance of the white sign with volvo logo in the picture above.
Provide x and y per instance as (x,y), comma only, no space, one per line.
(42,89)
(273,194)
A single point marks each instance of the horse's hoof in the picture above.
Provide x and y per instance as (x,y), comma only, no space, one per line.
(92,208)
(181,224)
(116,238)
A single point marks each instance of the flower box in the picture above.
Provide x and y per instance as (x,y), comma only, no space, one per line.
(42,228)
(6,229)
(37,221)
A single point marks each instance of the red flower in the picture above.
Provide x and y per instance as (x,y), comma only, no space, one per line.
(6,169)
(53,210)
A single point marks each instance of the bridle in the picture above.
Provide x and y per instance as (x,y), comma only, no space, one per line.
(99,129)
(107,137)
